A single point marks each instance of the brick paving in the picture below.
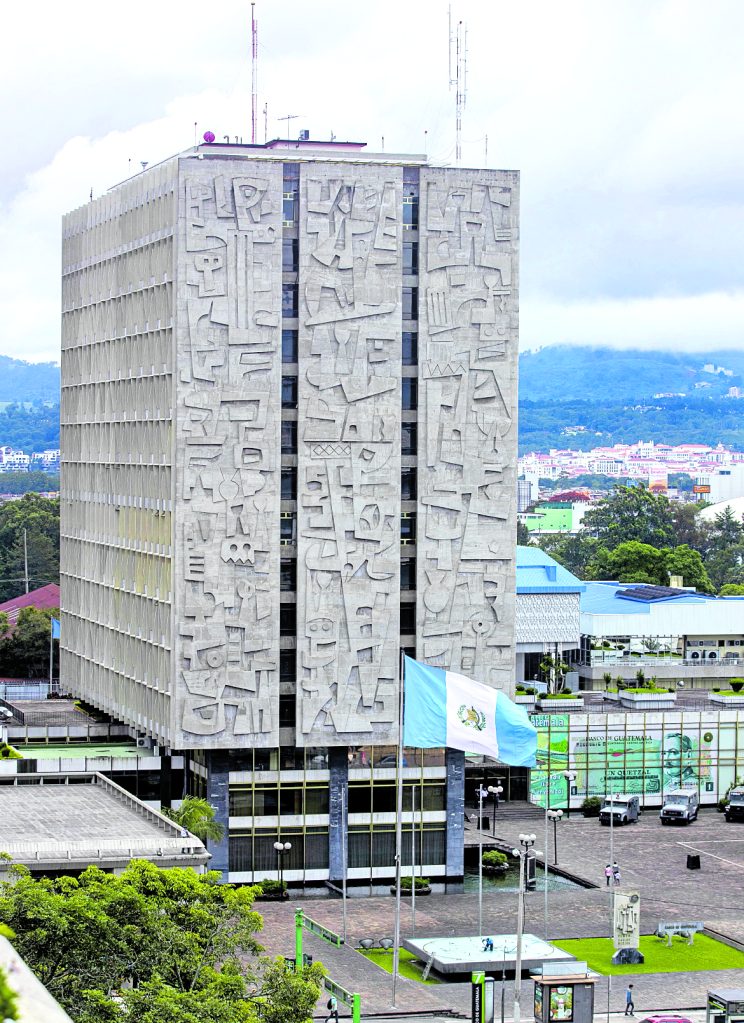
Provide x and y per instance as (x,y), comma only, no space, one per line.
(652,859)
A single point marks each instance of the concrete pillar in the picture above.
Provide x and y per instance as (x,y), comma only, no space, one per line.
(166,779)
(455,762)
(218,796)
(338,808)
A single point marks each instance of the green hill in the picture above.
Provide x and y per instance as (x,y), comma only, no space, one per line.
(28,381)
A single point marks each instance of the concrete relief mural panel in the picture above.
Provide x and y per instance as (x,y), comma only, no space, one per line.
(227,490)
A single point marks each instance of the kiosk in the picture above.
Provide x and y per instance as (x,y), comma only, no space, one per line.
(726,1005)
(564,993)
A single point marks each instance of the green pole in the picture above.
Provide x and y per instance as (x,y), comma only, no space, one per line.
(356,1009)
(298,939)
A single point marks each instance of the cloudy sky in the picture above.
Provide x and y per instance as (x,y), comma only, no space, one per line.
(623,117)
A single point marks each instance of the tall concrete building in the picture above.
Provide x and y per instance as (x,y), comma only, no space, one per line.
(289,451)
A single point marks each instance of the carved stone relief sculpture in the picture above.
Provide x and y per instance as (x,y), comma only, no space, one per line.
(468,341)
(348,500)
(227,445)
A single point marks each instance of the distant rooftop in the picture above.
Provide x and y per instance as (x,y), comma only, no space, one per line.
(45,597)
(537,572)
(613,598)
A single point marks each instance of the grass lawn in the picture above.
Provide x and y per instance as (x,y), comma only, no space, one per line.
(409,966)
(705,954)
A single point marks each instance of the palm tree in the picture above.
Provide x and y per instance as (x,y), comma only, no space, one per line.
(197,816)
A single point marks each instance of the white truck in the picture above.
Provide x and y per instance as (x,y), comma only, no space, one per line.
(624,810)
(680,807)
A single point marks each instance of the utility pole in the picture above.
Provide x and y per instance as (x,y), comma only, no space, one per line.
(25,557)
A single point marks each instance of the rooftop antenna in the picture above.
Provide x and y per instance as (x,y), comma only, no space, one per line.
(288,118)
(458,63)
(266,122)
(254,72)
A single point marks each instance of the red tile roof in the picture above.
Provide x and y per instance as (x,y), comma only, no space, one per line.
(45,597)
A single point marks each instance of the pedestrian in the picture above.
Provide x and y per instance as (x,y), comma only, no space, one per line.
(608,873)
(616,873)
(332,1006)
(487,944)
(185,834)
(629,1003)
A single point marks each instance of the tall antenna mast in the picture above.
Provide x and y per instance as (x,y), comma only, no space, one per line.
(254,72)
(458,42)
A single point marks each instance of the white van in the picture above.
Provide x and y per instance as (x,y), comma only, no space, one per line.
(680,807)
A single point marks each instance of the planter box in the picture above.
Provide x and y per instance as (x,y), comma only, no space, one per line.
(648,701)
(407,891)
(560,705)
(501,869)
(525,701)
(727,701)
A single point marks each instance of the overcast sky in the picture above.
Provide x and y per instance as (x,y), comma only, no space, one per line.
(624,118)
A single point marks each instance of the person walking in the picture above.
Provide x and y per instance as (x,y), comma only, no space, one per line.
(608,873)
(332,1006)
(629,1003)
(616,873)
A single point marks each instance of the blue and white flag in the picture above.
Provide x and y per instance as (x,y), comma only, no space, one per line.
(55,628)
(442,708)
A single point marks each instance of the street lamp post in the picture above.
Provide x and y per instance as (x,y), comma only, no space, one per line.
(481,793)
(569,776)
(282,848)
(495,791)
(555,816)
(526,842)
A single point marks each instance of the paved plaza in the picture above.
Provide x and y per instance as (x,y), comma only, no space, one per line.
(652,860)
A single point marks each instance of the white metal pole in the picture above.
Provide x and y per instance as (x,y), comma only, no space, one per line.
(51,654)
(25,557)
(520,929)
(480,859)
(344,865)
(398,831)
(413,858)
(545,859)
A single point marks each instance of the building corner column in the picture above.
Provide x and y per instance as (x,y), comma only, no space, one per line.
(455,853)
(338,813)
(218,797)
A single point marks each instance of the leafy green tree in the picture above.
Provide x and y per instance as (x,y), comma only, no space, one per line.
(28,482)
(724,557)
(689,528)
(631,513)
(574,551)
(197,816)
(630,562)
(160,941)
(523,535)
(24,653)
(39,516)
(732,590)
(687,562)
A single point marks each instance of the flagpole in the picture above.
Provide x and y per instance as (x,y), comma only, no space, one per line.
(398,830)
(51,653)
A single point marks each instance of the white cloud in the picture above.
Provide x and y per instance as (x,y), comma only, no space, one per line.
(623,119)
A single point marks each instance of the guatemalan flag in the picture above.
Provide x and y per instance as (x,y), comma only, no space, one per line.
(443,708)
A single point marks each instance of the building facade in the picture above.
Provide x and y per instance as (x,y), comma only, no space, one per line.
(289,451)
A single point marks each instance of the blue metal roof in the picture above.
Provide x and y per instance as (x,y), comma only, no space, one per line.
(609,598)
(537,572)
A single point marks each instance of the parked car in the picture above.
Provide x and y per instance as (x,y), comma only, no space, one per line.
(735,809)
(680,807)
(624,810)
(666,1017)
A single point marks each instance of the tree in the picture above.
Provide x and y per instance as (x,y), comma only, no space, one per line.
(686,562)
(689,528)
(732,590)
(573,551)
(197,816)
(148,946)
(631,513)
(523,535)
(24,653)
(725,554)
(39,516)
(630,562)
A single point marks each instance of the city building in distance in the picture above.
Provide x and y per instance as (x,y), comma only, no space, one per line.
(289,452)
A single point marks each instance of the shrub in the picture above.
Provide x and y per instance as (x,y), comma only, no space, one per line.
(406,883)
(494,858)
(607,678)
(723,802)
(271,887)
(717,689)
(591,806)
(558,696)
(640,677)
(737,684)
(8,753)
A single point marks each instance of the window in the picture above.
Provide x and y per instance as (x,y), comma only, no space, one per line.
(316,799)
(287,709)
(360,799)
(291,255)
(408,439)
(409,394)
(288,528)
(290,801)
(289,301)
(289,484)
(241,802)
(410,348)
(408,573)
(286,674)
(265,801)
(289,438)
(410,208)
(408,526)
(408,488)
(289,392)
(287,619)
(288,575)
(410,257)
(289,346)
(408,619)
(410,304)
(289,207)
